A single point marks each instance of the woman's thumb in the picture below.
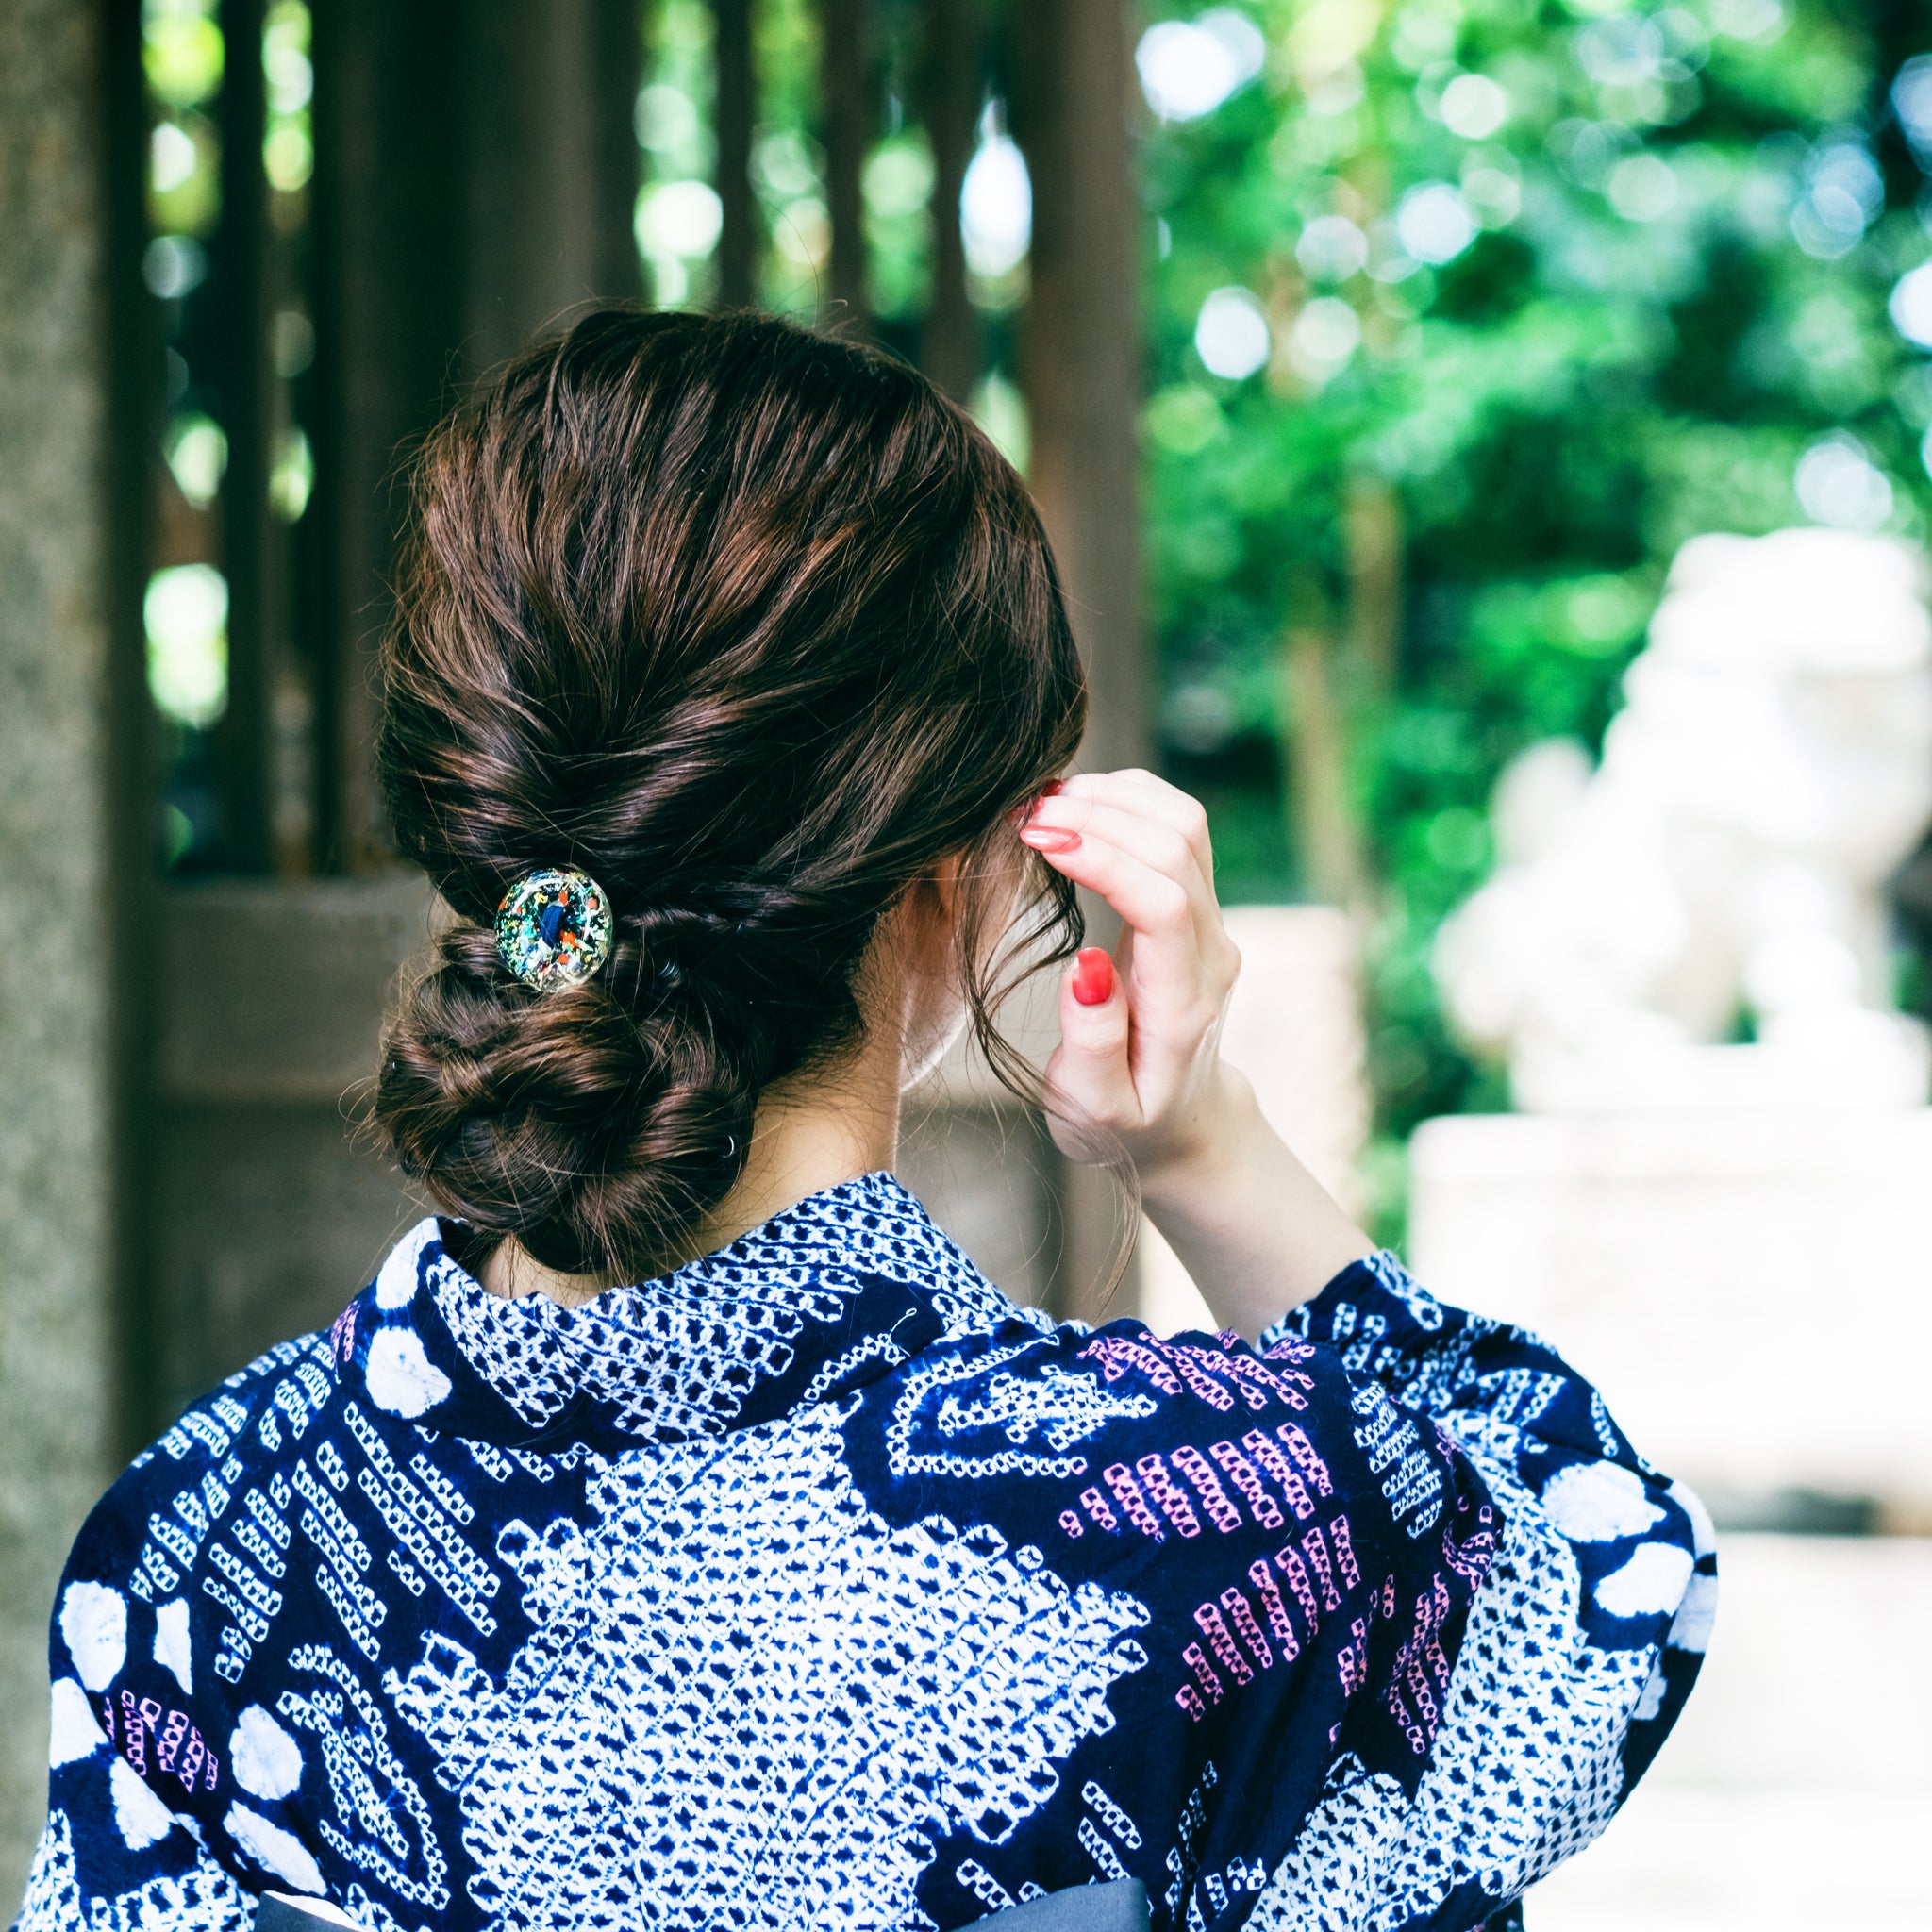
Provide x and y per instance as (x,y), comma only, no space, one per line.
(1090,1068)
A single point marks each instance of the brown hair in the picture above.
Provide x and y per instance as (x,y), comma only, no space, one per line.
(754,626)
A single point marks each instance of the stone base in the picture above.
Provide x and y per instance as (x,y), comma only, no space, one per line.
(1753,1293)
(1794,1791)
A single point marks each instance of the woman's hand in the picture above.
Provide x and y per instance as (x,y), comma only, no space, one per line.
(1139,1049)
(1139,1054)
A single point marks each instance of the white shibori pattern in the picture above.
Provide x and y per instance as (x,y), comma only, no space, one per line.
(678,1356)
(577,1773)
(203,1899)
(704,1671)
(1371,1859)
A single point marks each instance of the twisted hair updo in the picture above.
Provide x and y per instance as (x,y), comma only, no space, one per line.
(753,627)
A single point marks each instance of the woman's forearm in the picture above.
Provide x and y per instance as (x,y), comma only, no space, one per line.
(1256,1230)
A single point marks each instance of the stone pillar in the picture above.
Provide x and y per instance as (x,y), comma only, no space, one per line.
(62,713)
(1748,1288)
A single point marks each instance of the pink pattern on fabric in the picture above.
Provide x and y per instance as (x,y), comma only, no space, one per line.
(1243,1618)
(1116,1355)
(1263,1506)
(1196,1661)
(1169,1494)
(1420,1670)
(1209,1618)
(1095,1505)
(1262,1577)
(1194,1466)
(1306,1454)
(1264,1450)
(1315,1547)
(180,1750)
(1344,1551)
(1120,1479)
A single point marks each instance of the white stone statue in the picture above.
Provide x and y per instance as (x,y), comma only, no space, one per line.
(1771,768)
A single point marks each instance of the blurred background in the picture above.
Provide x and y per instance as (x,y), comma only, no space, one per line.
(1487,442)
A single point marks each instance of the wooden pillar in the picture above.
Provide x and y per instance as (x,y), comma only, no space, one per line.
(77,815)
(475,175)
(1080,370)
(612,40)
(553,165)
(846,94)
(243,738)
(391,269)
(1080,343)
(1322,821)
(733,114)
(954,62)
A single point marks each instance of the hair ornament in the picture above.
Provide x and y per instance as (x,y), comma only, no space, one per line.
(554,927)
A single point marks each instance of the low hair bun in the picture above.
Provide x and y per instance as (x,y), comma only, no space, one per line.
(755,628)
(592,1131)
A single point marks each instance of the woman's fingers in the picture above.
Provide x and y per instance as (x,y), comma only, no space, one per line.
(1155,905)
(1147,872)
(1143,793)
(1148,815)
(1160,845)
(1138,1030)
(1149,841)
(1171,993)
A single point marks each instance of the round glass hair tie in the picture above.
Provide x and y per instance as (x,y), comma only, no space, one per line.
(554,927)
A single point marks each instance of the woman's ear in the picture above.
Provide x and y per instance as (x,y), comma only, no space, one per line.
(929,915)
(944,880)
(926,938)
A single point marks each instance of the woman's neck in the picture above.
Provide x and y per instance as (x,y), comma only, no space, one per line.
(811,1133)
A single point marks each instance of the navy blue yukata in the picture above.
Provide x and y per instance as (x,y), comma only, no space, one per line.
(816,1585)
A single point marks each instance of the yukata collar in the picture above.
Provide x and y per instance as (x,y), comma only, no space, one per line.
(826,1295)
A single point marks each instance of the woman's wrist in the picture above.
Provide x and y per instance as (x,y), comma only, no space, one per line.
(1253,1226)
(1208,1152)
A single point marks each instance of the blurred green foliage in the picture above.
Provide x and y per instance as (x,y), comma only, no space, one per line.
(1547,288)
(1462,316)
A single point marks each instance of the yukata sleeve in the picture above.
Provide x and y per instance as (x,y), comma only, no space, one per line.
(122,1846)
(1583,1638)
(114,1854)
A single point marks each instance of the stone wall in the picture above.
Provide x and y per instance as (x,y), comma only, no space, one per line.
(57,864)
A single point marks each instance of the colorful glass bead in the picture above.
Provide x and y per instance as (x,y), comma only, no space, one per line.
(554,927)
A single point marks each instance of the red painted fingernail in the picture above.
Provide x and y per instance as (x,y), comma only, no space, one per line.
(1050,838)
(1093,976)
